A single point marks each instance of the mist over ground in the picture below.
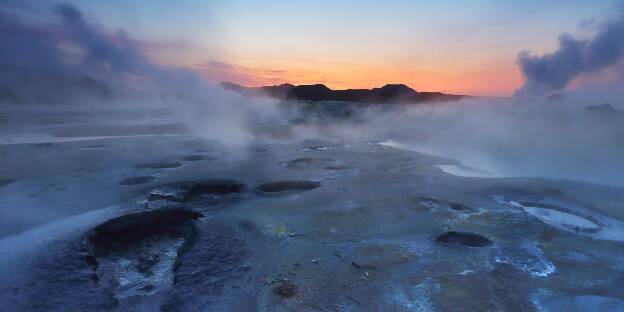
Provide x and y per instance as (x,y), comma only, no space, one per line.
(538,140)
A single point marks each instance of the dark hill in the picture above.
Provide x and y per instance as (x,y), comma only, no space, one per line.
(391,93)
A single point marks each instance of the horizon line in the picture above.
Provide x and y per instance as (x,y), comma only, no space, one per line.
(387,84)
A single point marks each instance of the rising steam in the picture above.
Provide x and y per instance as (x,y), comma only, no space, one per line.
(574,58)
(74,61)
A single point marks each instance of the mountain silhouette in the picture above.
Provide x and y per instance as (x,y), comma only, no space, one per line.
(390,93)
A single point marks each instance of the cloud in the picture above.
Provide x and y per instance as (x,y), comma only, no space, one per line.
(545,74)
(99,50)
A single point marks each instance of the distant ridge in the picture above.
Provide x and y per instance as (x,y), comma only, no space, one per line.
(390,93)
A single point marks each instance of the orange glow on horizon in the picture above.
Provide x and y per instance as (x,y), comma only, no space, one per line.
(498,79)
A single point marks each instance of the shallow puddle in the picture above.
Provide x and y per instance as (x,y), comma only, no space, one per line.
(561,219)
(466,172)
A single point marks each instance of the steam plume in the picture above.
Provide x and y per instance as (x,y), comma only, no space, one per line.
(75,58)
(553,72)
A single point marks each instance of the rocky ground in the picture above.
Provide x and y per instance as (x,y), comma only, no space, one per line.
(180,223)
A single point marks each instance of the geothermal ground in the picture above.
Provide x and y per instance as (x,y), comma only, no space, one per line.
(152,217)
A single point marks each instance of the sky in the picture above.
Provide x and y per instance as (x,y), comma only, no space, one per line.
(463,47)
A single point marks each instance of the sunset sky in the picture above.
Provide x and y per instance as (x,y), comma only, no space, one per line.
(466,47)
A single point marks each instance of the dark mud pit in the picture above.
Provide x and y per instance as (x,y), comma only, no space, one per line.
(285,186)
(122,232)
(285,289)
(137,180)
(193,157)
(458,207)
(313,163)
(134,256)
(428,203)
(192,191)
(464,239)
(462,208)
(160,165)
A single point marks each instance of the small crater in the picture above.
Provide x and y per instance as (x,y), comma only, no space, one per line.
(193,157)
(190,191)
(426,202)
(458,207)
(160,165)
(214,187)
(136,254)
(464,239)
(312,163)
(282,186)
(285,289)
(137,180)
(122,232)
(461,208)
